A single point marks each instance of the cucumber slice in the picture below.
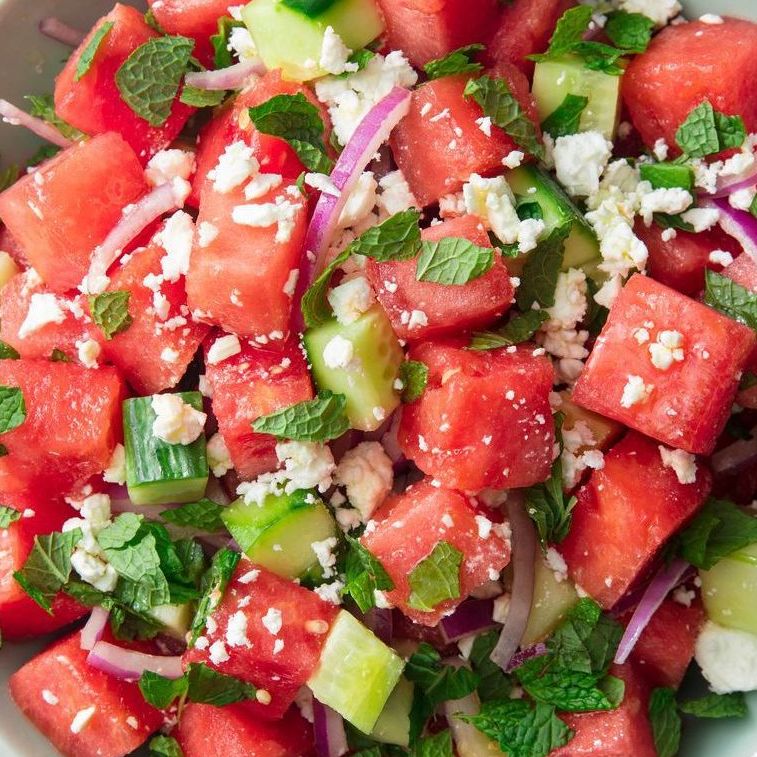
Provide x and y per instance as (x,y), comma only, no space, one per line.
(278,535)
(290,40)
(156,472)
(729,590)
(8,268)
(175,618)
(554,79)
(393,724)
(531,184)
(368,385)
(356,674)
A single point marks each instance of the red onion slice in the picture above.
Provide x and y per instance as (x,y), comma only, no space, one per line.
(472,616)
(745,182)
(328,728)
(735,456)
(381,621)
(61,32)
(739,224)
(233,77)
(372,132)
(17,117)
(129,665)
(667,578)
(535,650)
(93,629)
(524,555)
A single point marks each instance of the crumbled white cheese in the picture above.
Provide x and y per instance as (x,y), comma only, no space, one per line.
(49,697)
(335,54)
(272,621)
(682,463)
(661,149)
(331,593)
(82,718)
(223,348)
(217,652)
(339,353)
(176,421)
(44,309)
(115,473)
(660,11)
(167,165)
(235,166)
(242,44)
(721,257)
(323,183)
(324,553)
(87,350)
(351,299)
(395,195)
(366,472)
(236,630)
(281,213)
(728,658)
(711,18)
(219,459)
(635,391)
(176,239)
(360,202)
(206,233)
(493,201)
(667,349)
(671,201)
(556,563)
(580,160)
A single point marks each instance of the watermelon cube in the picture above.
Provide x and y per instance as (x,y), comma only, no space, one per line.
(665,365)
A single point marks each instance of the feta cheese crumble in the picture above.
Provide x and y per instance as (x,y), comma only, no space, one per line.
(580,160)
(351,299)
(176,422)
(223,348)
(44,309)
(667,349)
(367,474)
(635,391)
(219,459)
(682,463)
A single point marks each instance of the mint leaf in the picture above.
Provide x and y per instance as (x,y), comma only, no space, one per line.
(453,261)
(570,29)
(364,574)
(110,311)
(665,721)
(201,98)
(436,578)
(397,238)
(493,682)
(12,408)
(437,681)
(315,420)
(706,132)
(668,221)
(213,586)
(88,53)
(520,729)
(566,118)
(309,7)
(296,120)
(58,356)
(43,106)
(8,515)
(438,745)
(519,329)
(43,153)
(149,78)
(204,515)
(119,533)
(716,706)
(208,686)
(498,103)
(459,61)
(8,177)
(152,22)
(164,746)
(667,175)
(730,298)
(220,41)
(629,31)
(315,307)
(414,377)
(538,279)
(7,352)
(719,529)
(160,691)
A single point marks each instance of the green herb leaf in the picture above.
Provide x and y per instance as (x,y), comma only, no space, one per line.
(493,682)
(159,691)
(164,746)
(668,221)
(8,515)
(309,7)
(439,682)
(110,311)
(436,578)
(43,153)
(706,132)
(453,261)
(152,22)
(58,356)
(529,210)
(12,408)
(629,31)
(220,41)
(8,177)
(668,175)
(213,585)
(498,103)
(459,61)
(119,533)
(7,352)
(716,706)
(414,377)
(296,120)
(566,118)
(752,207)
(208,686)
(570,29)
(43,106)
(204,515)
(666,723)
(538,279)
(88,54)
(315,307)
(201,98)
(438,745)
(364,575)
(397,238)
(730,298)
(519,329)
(315,420)
(149,78)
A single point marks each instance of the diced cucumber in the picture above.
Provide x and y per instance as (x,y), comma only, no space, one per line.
(368,383)
(290,40)
(278,535)
(604,430)
(554,79)
(175,618)
(8,268)
(356,674)
(393,724)
(729,590)
(530,184)
(157,472)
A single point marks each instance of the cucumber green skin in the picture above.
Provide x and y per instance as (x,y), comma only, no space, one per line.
(356,674)
(729,590)
(158,473)
(581,246)
(393,724)
(554,79)
(287,39)
(371,384)
(291,521)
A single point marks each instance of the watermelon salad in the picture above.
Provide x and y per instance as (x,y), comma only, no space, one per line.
(379,377)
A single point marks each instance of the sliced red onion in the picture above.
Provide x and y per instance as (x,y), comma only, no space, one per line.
(739,224)
(666,579)
(745,182)
(129,665)
(61,32)
(472,616)
(17,117)
(372,132)
(524,555)
(735,456)
(328,728)
(94,628)
(381,622)
(233,77)
(535,650)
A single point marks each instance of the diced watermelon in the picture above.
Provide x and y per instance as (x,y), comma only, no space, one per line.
(280,671)
(72,424)
(68,206)
(56,690)
(484,420)
(207,731)
(686,65)
(625,513)
(20,615)
(438,144)
(94,104)
(448,309)
(428,29)
(680,263)
(242,280)
(690,401)
(253,383)
(409,526)
(153,352)
(524,28)
(623,732)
